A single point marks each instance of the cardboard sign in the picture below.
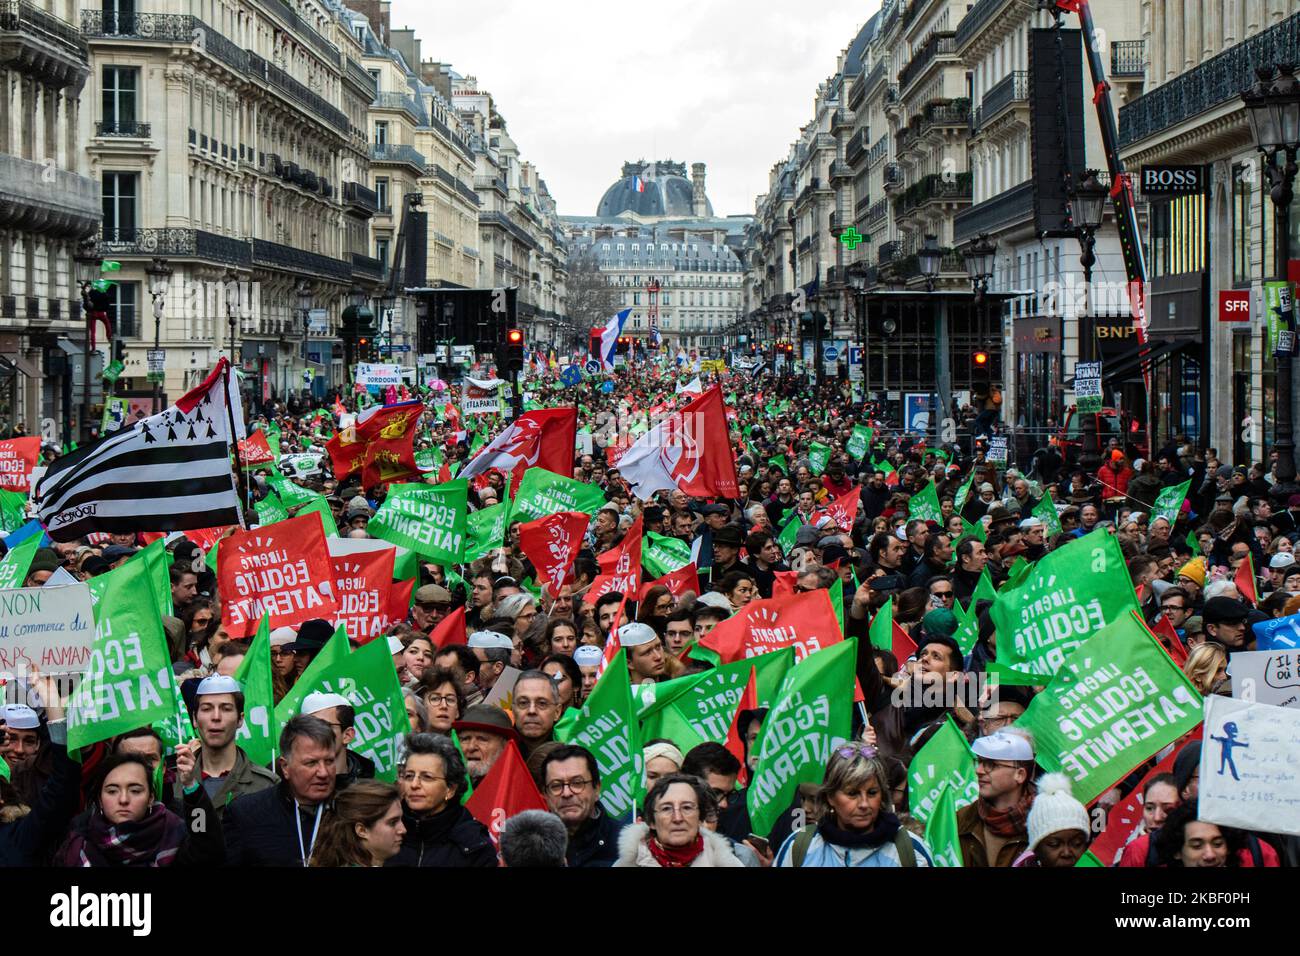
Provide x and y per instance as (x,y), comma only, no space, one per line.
(1087,386)
(52,628)
(1266,677)
(1250,758)
(379,376)
(17,459)
(282,570)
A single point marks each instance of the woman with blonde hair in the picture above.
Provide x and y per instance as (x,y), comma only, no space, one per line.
(1207,667)
(366,828)
(858,826)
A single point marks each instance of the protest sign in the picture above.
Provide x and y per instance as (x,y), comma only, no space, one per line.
(50,628)
(378,376)
(362,586)
(1250,759)
(481,396)
(607,726)
(1068,595)
(427,519)
(1278,634)
(17,459)
(282,570)
(1087,387)
(1266,677)
(1116,700)
(811,716)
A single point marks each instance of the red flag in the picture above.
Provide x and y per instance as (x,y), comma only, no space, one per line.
(734,744)
(282,570)
(602,585)
(623,561)
(508,789)
(677,582)
(18,457)
(254,451)
(552,543)
(1245,581)
(451,630)
(903,647)
(1168,637)
(544,437)
(784,583)
(399,600)
(363,589)
(804,621)
(380,446)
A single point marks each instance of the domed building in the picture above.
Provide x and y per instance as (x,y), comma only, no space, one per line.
(657,243)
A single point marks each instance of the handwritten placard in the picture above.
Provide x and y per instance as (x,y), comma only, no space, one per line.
(52,628)
(1250,760)
(1266,677)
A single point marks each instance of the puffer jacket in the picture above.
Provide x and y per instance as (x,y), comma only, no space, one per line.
(450,838)
(633,851)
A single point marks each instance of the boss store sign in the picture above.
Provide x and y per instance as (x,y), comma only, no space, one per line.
(1164,181)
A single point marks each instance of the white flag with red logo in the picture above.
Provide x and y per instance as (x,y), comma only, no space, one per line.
(544,437)
(689,449)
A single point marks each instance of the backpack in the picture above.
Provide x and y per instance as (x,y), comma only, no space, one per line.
(902,843)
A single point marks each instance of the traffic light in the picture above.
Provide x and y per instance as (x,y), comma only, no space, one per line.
(365,349)
(514,350)
(981,359)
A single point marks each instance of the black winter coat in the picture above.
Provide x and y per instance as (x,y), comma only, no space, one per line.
(260,830)
(23,838)
(596,842)
(450,838)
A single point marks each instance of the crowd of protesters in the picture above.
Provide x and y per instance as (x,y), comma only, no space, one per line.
(129,802)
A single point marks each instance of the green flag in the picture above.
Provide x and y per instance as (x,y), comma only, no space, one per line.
(945,762)
(427,519)
(321,507)
(778,461)
(270,510)
(406,567)
(962,493)
(1194,544)
(941,831)
(13,510)
(1169,503)
(1115,701)
(859,442)
(655,695)
(661,555)
(1069,594)
(924,505)
(258,735)
(430,459)
(708,701)
(1045,511)
(984,589)
(155,556)
(607,726)
(968,626)
(368,679)
(290,493)
(4,769)
(1089,859)
(789,535)
(881,630)
(969,530)
(812,714)
(486,530)
(670,723)
(128,680)
(335,650)
(1016,574)
(543,493)
(469,784)
(818,455)
(14,566)
(837,604)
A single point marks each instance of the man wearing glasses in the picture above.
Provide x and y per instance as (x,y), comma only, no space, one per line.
(993,830)
(1176,608)
(571,781)
(432,604)
(941,593)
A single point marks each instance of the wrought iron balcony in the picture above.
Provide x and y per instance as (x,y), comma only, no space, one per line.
(490,182)
(878,151)
(174,243)
(936,187)
(1128,58)
(35,41)
(304,31)
(936,115)
(876,74)
(1012,88)
(998,212)
(892,97)
(841,170)
(889,251)
(892,175)
(123,128)
(164,28)
(856,146)
(355,194)
(359,75)
(976,18)
(389,153)
(877,211)
(399,101)
(841,119)
(292,259)
(1215,81)
(939,44)
(295,91)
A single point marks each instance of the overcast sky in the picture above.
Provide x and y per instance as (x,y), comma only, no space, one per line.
(585,86)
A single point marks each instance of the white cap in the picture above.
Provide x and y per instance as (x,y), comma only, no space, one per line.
(491,639)
(714,599)
(1138,463)
(395,645)
(1281,560)
(1033,521)
(901,533)
(218,684)
(1003,745)
(588,655)
(319,701)
(636,634)
(283,635)
(20,717)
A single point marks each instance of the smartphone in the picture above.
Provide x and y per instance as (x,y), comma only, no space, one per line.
(759,843)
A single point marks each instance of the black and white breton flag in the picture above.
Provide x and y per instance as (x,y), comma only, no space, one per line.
(167,472)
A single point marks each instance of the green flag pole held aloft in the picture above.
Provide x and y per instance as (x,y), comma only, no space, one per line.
(812,715)
(258,735)
(924,505)
(543,493)
(941,831)
(1169,503)
(607,726)
(486,530)
(16,564)
(335,650)
(13,510)
(708,701)
(128,681)
(818,456)
(661,555)
(945,762)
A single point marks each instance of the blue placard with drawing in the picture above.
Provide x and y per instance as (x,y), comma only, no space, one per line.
(1282,634)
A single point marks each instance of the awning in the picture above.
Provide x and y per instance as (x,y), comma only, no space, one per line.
(19,364)
(1119,368)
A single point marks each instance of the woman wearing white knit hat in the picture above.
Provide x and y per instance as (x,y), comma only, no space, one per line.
(1059,830)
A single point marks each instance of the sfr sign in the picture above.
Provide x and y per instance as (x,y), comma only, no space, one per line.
(1234,305)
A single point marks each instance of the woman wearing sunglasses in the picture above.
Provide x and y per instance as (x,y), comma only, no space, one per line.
(858,826)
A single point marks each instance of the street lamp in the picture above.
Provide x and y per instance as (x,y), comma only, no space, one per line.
(979,257)
(1087,206)
(1273,108)
(304,310)
(930,258)
(159,273)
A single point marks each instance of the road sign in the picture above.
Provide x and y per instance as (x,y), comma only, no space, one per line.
(855,363)
(830,353)
(592,367)
(394,348)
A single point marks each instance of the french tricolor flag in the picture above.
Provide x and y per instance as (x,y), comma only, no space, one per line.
(639,184)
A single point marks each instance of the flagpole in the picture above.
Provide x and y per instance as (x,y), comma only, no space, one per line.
(229,378)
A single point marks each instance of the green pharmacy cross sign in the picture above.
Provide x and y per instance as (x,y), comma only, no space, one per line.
(851,238)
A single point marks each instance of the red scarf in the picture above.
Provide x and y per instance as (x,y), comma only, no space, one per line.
(1008,823)
(675,856)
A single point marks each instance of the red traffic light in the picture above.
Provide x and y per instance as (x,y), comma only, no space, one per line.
(515,337)
(981,358)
